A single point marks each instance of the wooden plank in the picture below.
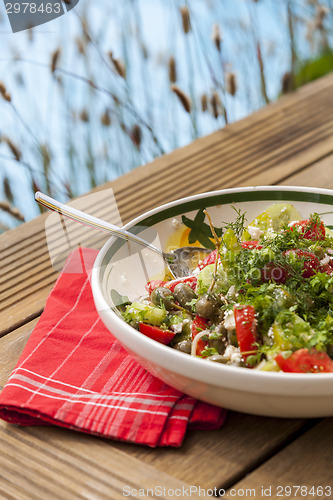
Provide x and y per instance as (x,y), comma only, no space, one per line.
(244,439)
(11,348)
(44,462)
(305,462)
(318,175)
(264,148)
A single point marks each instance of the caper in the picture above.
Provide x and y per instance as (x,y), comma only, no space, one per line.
(232,338)
(184,294)
(163,297)
(206,306)
(184,346)
(218,316)
(318,251)
(217,344)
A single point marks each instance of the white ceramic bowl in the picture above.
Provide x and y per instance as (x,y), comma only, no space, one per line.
(119,268)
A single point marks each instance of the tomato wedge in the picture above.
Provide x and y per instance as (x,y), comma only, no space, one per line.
(198,325)
(210,259)
(251,244)
(311,262)
(189,280)
(305,361)
(310,229)
(271,271)
(151,285)
(246,329)
(326,268)
(156,333)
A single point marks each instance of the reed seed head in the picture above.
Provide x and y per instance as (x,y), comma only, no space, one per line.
(14,212)
(204,103)
(217,108)
(287,83)
(119,65)
(185,13)
(144,50)
(84,116)
(183,98)
(172,70)
(321,13)
(81,45)
(7,190)
(85,29)
(231,83)
(4,93)
(106,119)
(216,36)
(14,149)
(55,59)
(136,135)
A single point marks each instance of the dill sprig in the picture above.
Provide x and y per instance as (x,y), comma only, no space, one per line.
(238,225)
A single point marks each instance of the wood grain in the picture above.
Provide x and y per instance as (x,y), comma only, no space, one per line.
(319,175)
(306,462)
(49,463)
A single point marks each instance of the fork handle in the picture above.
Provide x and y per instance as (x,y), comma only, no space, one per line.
(91,221)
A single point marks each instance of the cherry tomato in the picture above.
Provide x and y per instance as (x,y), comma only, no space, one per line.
(273,272)
(198,325)
(311,262)
(251,244)
(156,333)
(305,361)
(246,329)
(326,268)
(310,229)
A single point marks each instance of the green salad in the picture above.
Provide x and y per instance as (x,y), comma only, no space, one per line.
(263,299)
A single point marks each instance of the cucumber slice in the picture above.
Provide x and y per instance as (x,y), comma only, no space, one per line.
(275,217)
(205,277)
(141,312)
(328,232)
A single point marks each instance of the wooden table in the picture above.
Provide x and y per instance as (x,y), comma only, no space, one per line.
(289,142)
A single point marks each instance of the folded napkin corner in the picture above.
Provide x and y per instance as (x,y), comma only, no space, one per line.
(73,373)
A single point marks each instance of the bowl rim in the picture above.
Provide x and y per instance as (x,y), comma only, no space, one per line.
(236,378)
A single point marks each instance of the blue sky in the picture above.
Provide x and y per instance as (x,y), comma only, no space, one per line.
(43,107)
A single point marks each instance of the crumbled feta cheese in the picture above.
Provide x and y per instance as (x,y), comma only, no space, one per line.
(196,271)
(255,232)
(123,278)
(229,321)
(233,354)
(178,327)
(270,333)
(325,260)
(236,357)
(231,293)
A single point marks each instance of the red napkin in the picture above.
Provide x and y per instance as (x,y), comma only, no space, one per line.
(74,373)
